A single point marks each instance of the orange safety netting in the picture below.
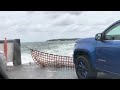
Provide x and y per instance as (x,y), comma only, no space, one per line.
(50,60)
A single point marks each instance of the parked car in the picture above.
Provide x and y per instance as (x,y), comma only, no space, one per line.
(3,65)
(98,54)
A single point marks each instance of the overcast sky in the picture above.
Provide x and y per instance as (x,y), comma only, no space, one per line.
(32,26)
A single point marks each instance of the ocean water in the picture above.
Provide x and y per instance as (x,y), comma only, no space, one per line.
(63,48)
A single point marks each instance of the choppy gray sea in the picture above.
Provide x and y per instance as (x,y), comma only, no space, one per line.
(64,48)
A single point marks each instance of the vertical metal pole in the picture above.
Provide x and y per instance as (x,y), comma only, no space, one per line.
(17,53)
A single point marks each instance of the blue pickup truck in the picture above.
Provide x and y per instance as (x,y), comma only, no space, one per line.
(98,54)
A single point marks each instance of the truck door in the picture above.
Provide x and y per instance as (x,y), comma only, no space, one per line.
(108,50)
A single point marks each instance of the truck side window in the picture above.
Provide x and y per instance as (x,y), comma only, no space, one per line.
(113,33)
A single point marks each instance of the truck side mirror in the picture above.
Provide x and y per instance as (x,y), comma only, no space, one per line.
(98,37)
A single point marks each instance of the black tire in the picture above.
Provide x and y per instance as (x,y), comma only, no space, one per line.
(84,69)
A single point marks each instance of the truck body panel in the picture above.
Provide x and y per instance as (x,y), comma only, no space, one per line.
(103,54)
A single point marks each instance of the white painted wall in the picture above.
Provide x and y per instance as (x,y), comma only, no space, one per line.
(10,51)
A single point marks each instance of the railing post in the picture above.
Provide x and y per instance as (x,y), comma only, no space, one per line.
(17,52)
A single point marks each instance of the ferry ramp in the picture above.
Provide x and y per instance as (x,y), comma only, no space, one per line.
(33,71)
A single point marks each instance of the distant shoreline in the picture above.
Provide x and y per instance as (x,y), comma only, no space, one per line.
(64,39)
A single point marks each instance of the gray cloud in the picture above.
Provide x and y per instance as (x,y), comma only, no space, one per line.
(43,25)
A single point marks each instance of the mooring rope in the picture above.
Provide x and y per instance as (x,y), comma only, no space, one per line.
(51,60)
(28,48)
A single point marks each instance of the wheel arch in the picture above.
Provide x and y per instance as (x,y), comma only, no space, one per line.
(83,52)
